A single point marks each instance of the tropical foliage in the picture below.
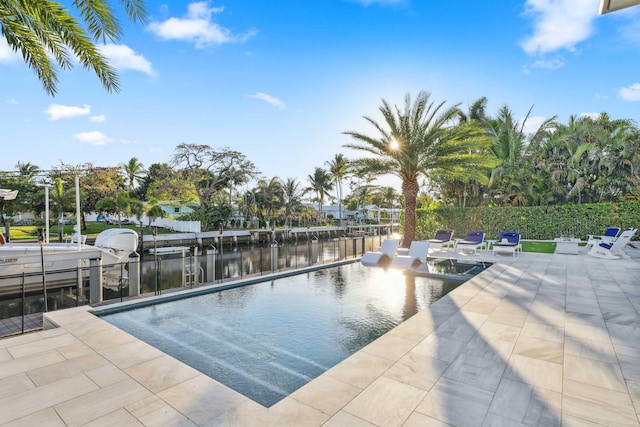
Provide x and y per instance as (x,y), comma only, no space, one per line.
(47,34)
(419,140)
(589,160)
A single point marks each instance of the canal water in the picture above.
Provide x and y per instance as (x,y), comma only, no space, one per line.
(189,266)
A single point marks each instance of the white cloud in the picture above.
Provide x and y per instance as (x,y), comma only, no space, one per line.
(533,124)
(549,64)
(13,101)
(559,24)
(630,93)
(93,138)
(269,99)
(6,53)
(123,57)
(197,27)
(98,118)
(57,111)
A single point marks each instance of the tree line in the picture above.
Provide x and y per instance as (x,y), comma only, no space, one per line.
(221,185)
(443,155)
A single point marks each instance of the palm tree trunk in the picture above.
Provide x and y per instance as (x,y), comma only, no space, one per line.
(410,190)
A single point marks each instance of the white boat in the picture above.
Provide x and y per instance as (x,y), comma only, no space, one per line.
(22,262)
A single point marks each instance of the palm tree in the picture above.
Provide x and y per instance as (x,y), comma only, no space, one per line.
(268,197)
(133,171)
(570,156)
(122,205)
(477,111)
(420,140)
(508,179)
(388,196)
(321,184)
(44,31)
(61,199)
(465,191)
(26,169)
(619,162)
(338,168)
(291,199)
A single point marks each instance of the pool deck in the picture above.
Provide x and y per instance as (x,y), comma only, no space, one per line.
(534,340)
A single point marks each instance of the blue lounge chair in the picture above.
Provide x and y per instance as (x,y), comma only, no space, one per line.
(509,241)
(383,256)
(417,255)
(441,239)
(612,250)
(473,240)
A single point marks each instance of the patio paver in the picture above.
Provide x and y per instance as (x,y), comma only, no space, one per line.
(536,339)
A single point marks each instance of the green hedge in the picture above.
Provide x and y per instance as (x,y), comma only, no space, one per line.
(533,222)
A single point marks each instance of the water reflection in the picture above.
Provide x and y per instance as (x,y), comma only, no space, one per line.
(238,262)
(410,301)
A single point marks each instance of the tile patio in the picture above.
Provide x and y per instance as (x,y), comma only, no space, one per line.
(536,340)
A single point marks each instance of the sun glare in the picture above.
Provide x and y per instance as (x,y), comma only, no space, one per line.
(394,145)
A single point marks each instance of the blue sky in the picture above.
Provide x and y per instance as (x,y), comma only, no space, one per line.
(281,80)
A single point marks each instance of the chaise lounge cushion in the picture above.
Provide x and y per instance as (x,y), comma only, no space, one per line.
(442,236)
(509,241)
(473,240)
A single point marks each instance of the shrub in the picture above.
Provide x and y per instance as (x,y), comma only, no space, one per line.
(533,222)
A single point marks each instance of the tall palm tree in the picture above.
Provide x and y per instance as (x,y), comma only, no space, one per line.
(338,168)
(464,192)
(43,31)
(133,171)
(418,140)
(320,183)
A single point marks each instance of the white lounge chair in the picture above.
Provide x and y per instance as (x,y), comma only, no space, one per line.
(383,256)
(609,236)
(509,241)
(473,240)
(612,250)
(417,255)
(442,238)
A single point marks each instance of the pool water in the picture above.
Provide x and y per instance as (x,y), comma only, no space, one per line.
(269,339)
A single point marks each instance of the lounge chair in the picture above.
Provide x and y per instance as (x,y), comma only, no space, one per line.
(441,239)
(509,241)
(473,240)
(383,256)
(612,250)
(417,254)
(609,236)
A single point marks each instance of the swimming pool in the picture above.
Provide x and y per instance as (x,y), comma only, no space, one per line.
(267,340)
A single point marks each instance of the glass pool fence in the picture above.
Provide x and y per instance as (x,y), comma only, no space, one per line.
(25,296)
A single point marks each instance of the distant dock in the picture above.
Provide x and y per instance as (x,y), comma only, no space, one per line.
(257,236)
